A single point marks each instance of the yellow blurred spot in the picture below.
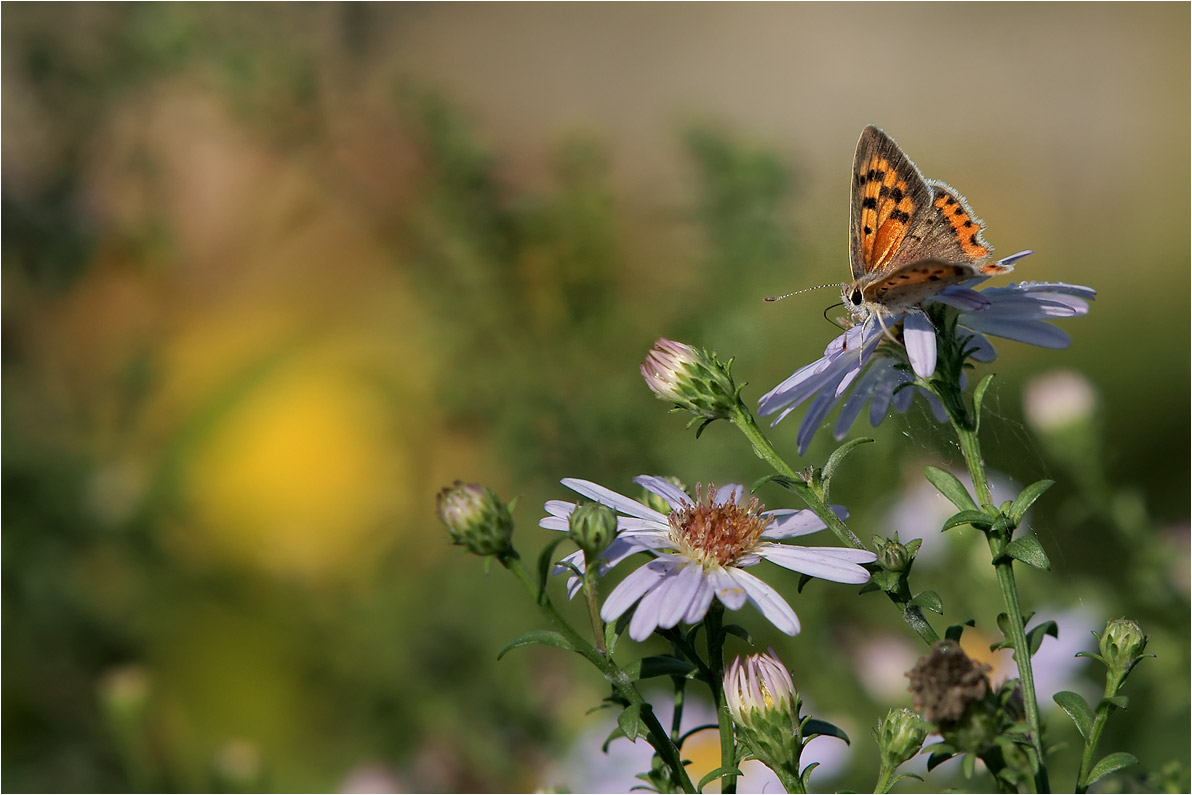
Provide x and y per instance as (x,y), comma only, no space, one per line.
(299,475)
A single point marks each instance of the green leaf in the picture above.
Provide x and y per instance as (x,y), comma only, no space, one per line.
(540,637)
(781,480)
(1034,637)
(954,632)
(1027,498)
(659,665)
(546,558)
(630,722)
(739,631)
(1121,702)
(1078,710)
(1110,764)
(979,397)
(715,774)
(950,487)
(968,764)
(929,600)
(813,727)
(1029,551)
(978,519)
(838,456)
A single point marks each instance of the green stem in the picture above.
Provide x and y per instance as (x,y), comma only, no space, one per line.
(765,451)
(590,597)
(1003,565)
(1104,710)
(744,421)
(713,624)
(655,734)
(885,779)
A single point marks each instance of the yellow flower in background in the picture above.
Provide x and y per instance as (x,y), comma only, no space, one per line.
(296,467)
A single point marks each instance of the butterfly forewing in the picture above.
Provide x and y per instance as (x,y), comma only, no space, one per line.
(889,199)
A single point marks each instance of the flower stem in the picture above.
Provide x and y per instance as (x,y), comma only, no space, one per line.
(1003,566)
(713,624)
(744,421)
(1104,710)
(593,608)
(655,734)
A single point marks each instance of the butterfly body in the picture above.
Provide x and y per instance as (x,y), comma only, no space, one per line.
(909,237)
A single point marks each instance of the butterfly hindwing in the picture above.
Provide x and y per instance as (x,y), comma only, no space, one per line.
(889,198)
(910,284)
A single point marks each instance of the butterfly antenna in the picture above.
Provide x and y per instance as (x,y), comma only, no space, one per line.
(774,298)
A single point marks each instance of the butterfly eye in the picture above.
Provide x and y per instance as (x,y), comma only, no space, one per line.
(855,297)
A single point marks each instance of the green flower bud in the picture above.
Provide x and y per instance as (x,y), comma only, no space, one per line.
(476,519)
(893,556)
(1122,646)
(900,736)
(593,527)
(691,378)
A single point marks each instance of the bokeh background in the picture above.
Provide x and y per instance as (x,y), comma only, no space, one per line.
(274,274)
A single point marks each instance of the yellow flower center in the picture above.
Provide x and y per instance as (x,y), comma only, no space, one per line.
(717,535)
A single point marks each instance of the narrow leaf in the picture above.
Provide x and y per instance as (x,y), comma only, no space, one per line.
(1078,710)
(781,480)
(659,665)
(540,637)
(954,632)
(935,760)
(1034,636)
(929,600)
(977,519)
(715,774)
(814,726)
(838,456)
(979,397)
(630,722)
(1027,498)
(1029,551)
(950,487)
(546,558)
(1110,764)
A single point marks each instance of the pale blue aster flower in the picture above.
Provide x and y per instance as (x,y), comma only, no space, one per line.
(700,551)
(858,369)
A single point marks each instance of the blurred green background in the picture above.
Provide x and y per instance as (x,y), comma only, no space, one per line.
(274,274)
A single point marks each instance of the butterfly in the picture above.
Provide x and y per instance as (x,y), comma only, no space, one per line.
(909,237)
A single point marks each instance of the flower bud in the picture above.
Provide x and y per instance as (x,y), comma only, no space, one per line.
(593,527)
(691,378)
(1122,646)
(894,556)
(900,736)
(759,689)
(476,518)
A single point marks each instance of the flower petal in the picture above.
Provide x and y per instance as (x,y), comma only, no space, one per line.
(816,563)
(730,493)
(919,336)
(682,590)
(728,591)
(632,588)
(768,601)
(700,601)
(790,523)
(674,496)
(612,499)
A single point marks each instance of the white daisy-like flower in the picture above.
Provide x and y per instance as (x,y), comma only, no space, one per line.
(701,550)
